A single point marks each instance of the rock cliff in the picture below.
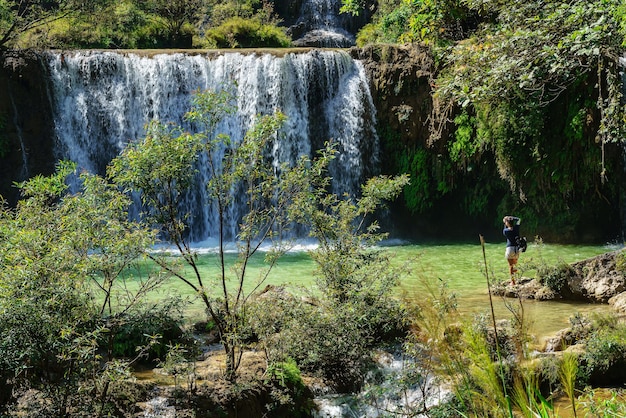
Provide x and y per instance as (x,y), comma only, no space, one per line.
(26,131)
(400,81)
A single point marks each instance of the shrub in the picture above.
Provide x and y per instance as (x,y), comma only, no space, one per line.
(247,33)
(289,395)
(555,277)
(286,373)
(601,405)
(605,357)
(134,330)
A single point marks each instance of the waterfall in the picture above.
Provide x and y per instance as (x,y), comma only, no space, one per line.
(324,26)
(102,100)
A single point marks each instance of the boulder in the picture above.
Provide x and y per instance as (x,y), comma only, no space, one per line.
(526,288)
(597,279)
(619,303)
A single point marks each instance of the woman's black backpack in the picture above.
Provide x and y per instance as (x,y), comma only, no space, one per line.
(521,243)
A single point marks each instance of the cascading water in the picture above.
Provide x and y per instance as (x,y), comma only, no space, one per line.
(392,389)
(102,100)
(325,27)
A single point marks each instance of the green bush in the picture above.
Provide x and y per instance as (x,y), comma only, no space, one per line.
(604,360)
(285,373)
(247,33)
(289,395)
(133,330)
(555,277)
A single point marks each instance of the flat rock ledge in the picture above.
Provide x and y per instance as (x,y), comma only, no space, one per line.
(600,279)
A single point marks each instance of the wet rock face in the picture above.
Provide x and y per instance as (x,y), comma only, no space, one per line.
(26,130)
(400,81)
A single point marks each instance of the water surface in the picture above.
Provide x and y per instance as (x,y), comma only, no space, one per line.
(461,266)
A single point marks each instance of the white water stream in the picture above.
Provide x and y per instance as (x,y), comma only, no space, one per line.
(324,24)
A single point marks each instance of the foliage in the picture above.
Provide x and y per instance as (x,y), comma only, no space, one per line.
(387,25)
(463,145)
(605,355)
(433,22)
(356,281)
(555,277)
(238,32)
(516,72)
(620,262)
(119,25)
(139,326)
(568,372)
(179,363)
(348,268)
(172,15)
(353,310)
(149,24)
(286,373)
(261,10)
(599,405)
(533,87)
(19,16)
(327,342)
(288,389)
(56,249)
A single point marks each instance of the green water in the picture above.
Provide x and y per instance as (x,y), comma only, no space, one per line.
(461,265)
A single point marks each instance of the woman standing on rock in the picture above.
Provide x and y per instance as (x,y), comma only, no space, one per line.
(511,232)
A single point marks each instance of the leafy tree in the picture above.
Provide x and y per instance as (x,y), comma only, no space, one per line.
(19,16)
(246,33)
(354,310)
(433,22)
(355,7)
(173,15)
(221,11)
(119,25)
(349,268)
(56,248)
(238,169)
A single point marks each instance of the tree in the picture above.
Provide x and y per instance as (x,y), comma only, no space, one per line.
(161,168)
(57,251)
(353,308)
(349,267)
(20,16)
(173,14)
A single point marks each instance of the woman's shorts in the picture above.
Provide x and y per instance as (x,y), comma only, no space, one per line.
(511,253)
